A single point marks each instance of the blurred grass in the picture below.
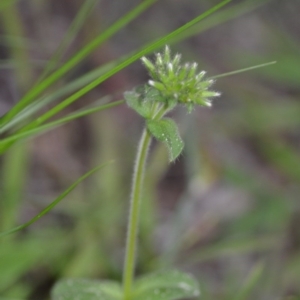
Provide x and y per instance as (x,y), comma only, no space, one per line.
(81,17)
(248,144)
(14,180)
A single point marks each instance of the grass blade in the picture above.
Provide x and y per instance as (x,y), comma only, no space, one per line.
(81,113)
(13,27)
(56,201)
(243,70)
(14,179)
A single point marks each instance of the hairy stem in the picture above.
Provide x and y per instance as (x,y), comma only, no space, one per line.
(133,222)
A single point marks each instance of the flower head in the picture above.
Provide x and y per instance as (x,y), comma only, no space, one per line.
(177,82)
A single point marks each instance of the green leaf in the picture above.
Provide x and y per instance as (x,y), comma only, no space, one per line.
(84,289)
(170,285)
(135,101)
(142,100)
(165,130)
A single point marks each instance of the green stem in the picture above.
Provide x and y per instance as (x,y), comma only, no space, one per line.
(133,222)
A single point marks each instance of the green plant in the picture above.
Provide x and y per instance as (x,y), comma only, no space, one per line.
(171,84)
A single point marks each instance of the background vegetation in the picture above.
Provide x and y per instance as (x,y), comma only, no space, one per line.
(226,211)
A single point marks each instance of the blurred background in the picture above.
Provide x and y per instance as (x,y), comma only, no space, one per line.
(227,210)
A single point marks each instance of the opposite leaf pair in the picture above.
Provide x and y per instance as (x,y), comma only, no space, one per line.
(170,285)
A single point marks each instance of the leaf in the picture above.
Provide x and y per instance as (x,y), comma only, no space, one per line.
(170,285)
(135,100)
(142,99)
(85,289)
(165,130)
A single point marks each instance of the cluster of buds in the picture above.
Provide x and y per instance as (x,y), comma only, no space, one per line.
(179,83)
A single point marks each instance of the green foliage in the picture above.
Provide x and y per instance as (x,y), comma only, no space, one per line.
(18,122)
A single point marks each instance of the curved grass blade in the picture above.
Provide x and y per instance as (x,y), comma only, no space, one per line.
(5,143)
(77,58)
(56,201)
